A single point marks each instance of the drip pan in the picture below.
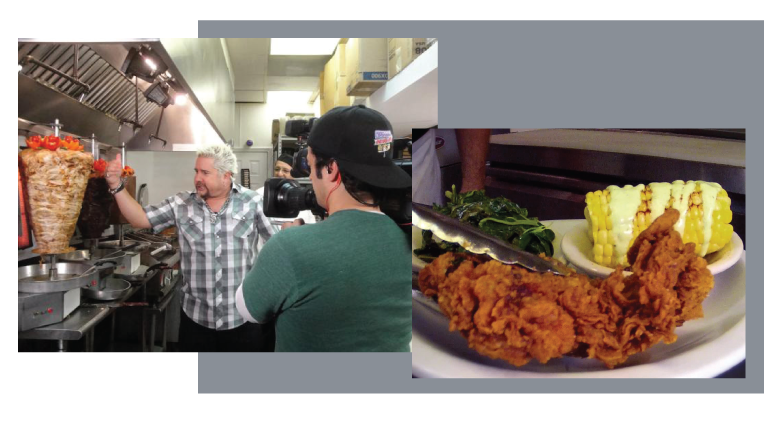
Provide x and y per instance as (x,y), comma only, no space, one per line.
(35,278)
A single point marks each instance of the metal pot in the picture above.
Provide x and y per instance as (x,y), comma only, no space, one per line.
(108,289)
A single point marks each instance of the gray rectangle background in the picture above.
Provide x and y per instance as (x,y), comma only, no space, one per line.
(580,74)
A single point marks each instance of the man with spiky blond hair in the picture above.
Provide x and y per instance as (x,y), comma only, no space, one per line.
(219,225)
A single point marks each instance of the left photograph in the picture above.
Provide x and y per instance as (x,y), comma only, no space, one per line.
(218,195)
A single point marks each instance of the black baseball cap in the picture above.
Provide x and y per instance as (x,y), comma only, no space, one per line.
(361,141)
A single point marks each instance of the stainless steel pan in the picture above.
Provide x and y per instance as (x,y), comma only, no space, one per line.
(108,289)
(35,278)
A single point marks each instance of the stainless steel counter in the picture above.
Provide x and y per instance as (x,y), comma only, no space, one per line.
(80,321)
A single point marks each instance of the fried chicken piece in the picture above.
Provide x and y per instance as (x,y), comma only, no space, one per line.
(517,315)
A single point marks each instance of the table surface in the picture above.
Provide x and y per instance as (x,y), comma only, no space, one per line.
(72,327)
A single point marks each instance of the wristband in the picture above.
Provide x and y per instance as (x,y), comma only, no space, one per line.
(119,188)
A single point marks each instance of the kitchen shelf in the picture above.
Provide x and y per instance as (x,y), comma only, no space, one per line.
(410,99)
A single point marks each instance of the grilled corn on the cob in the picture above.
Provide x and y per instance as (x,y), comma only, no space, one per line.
(617,215)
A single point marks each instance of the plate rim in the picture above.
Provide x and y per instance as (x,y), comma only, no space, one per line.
(710,369)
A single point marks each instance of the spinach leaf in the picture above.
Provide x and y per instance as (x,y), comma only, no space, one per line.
(499,217)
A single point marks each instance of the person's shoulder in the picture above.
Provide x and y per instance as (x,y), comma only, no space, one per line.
(181,198)
(246,195)
(287,242)
(244,191)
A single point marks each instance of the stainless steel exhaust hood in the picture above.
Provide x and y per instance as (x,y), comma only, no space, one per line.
(91,95)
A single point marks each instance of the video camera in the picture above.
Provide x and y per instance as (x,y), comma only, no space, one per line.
(299,128)
(285,198)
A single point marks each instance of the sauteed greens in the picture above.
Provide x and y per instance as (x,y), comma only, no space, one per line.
(498,217)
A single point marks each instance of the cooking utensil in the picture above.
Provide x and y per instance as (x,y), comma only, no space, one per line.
(82,255)
(140,276)
(108,289)
(162,248)
(106,261)
(35,278)
(478,242)
(132,245)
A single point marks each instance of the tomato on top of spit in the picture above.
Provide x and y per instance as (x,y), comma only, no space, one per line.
(52,143)
(34,142)
(99,168)
(71,144)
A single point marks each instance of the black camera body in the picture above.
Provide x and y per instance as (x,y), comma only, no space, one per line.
(299,127)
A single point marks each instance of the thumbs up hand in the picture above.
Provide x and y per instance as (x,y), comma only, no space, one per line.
(114,171)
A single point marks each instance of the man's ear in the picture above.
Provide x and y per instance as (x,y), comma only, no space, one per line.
(333,168)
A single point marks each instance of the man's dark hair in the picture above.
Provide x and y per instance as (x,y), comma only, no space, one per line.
(361,191)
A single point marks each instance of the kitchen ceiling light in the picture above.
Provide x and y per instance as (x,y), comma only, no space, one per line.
(159,93)
(295,46)
(180,99)
(143,63)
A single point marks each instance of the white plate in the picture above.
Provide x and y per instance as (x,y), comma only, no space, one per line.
(577,248)
(705,348)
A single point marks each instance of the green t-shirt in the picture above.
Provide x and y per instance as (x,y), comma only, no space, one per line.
(338,285)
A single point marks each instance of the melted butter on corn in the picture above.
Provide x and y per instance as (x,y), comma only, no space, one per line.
(661,195)
(681,192)
(624,204)
(708,192)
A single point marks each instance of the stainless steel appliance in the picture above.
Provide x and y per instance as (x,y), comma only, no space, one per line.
(36,310)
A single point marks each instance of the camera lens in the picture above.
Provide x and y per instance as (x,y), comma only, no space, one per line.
(284,198)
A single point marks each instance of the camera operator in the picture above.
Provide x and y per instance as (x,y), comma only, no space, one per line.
(341,284)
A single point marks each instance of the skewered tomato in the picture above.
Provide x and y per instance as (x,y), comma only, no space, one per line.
(51,142)
(128,171)
(34,142)
(71,144)
(100,165)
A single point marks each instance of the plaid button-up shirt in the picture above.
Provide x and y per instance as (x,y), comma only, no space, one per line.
(217,250)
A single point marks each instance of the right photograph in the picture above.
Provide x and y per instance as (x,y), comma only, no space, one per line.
(578,253)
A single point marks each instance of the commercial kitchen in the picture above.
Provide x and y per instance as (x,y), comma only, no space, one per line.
(152,102)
